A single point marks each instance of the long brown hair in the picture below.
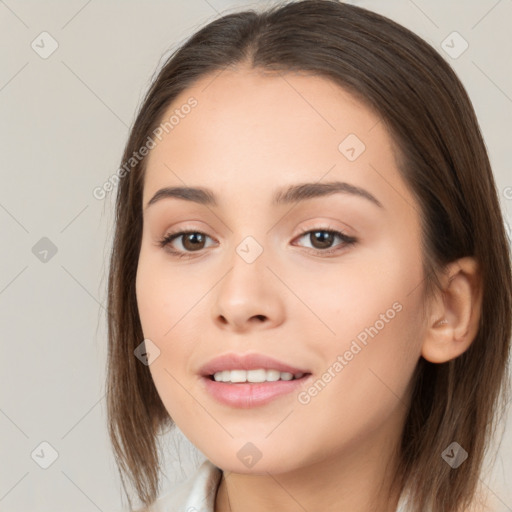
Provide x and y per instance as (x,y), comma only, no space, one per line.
(442,158)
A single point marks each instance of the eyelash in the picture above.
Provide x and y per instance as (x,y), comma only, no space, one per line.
(347,241)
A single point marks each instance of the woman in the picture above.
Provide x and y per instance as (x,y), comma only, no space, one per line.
(310,274)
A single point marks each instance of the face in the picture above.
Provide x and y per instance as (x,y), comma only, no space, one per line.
(328,283)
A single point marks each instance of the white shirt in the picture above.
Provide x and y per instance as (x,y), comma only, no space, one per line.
(197,493)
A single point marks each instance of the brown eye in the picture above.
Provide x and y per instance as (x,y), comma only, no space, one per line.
(193,241)
(321,239)
(190,241)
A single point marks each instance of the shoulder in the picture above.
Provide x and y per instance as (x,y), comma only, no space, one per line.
(195,494)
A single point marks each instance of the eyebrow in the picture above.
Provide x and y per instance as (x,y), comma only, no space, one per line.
(292,194)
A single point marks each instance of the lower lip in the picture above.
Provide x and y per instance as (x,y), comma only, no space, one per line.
(245,395)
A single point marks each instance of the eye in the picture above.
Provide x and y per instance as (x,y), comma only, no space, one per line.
(190,241)
(322,239)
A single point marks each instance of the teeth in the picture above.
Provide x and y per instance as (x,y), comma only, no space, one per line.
(259,375)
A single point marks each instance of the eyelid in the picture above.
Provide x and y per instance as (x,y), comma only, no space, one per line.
(319,226)
(187,228)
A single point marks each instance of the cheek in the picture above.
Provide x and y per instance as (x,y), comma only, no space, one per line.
(164,301)
(371,317)
(166,295)
(350,296)
(366,369)
(173,310)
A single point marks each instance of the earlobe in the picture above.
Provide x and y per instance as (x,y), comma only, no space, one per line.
(454,319)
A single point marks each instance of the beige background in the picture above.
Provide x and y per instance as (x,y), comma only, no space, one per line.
(64,122)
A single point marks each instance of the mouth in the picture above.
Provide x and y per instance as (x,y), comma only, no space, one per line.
(255,376)
(246,394)
(250,379)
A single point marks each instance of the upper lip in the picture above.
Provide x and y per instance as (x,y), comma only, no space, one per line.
(252,361)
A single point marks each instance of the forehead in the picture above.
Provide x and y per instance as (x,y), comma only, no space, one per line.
(263,130)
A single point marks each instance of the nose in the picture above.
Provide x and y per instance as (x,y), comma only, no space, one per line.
(248,297)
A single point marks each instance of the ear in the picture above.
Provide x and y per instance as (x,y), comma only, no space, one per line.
(455,314)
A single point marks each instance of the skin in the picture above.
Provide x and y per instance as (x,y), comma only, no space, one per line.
(249,135)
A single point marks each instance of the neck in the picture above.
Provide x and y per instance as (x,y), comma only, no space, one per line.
(359,479)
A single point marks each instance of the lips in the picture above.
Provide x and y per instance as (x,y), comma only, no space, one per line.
(247,362)
(244,395)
